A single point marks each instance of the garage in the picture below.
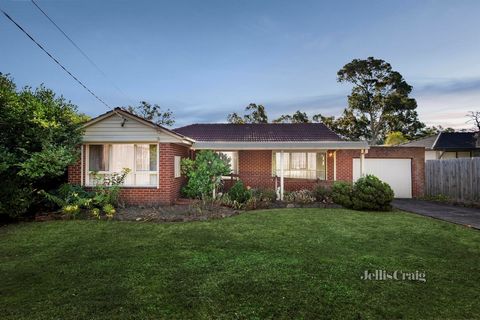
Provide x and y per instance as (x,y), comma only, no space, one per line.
(396,172)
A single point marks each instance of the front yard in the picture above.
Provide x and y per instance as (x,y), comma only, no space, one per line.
(289,263)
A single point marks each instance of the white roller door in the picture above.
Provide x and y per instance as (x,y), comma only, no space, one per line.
(396,172)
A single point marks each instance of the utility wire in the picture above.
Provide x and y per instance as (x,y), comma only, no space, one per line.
(81,51)
(56,61)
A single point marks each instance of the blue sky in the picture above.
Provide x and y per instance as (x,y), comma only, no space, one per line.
(205,59)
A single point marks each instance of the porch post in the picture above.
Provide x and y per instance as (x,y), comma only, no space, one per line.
(282,161)
(362,163)
(335,165)
(81,165)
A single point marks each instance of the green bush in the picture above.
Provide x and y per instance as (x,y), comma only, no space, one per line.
(39,136)
(300,196)
(264,195)
(322,193)
(342,193)
(239,193)
(368,193)
(72,198)
(204,174)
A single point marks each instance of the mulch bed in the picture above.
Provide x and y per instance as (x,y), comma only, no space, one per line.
(184,211)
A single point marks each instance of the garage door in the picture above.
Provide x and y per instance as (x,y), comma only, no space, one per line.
(396,172)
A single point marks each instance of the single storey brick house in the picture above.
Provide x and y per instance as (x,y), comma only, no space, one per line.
(281,156)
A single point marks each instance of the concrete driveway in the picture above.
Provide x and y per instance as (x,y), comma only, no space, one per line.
(460,215)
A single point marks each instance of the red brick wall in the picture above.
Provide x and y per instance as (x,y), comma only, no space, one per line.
(416,154)
(169,187)
(255,170)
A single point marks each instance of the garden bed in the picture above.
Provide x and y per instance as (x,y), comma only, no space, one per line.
(191,211)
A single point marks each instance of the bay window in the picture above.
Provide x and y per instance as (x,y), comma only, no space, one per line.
(302,165)
(106,159)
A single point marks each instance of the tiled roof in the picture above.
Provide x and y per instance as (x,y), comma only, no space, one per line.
(265,132)
(426,142)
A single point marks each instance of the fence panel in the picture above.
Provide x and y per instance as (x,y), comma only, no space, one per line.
(457,179)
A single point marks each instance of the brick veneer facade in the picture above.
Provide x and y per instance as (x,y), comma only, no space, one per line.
(255,170)
(255,167)
(416,154)
(169,186)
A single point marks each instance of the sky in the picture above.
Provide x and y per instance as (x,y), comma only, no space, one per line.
(205,59)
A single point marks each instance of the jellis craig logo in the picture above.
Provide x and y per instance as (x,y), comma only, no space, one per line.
(397,275)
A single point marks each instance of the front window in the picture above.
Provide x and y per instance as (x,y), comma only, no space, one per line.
(302,165)
(233,157)
(106,159)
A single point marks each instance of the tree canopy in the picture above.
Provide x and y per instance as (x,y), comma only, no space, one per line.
(154,113)
(39,135)
(395,138)
(297,117)
(253,114)
(379,102)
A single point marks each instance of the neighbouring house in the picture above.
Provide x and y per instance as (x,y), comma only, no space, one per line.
(276,156)
(449,145)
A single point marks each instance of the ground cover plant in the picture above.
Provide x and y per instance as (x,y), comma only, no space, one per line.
(276,264)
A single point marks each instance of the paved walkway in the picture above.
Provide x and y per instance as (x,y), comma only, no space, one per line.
(460,215)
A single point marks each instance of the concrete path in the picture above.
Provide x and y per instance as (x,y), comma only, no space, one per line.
(456,214)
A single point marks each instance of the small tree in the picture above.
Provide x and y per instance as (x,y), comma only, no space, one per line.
(395,138)
(204,174)
(474,117)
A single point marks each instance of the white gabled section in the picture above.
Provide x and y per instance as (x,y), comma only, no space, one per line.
(122,127)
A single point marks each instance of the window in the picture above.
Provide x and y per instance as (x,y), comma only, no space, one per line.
(141,159)
(233,157)
(302,165)
(177,166)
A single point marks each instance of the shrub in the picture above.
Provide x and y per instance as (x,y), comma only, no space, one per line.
(342,193)
(71,198)
(264,195)
(300,196)
(39,136)
(71,210)
(239,193)
(322,193)
(204,174)
(109,210)
(368,193)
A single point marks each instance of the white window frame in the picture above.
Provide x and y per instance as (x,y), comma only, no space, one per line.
(287,171)
(133,171)
(177,161)
(234,170)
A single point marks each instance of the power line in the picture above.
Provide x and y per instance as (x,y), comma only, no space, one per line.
(81,51)
(54,59)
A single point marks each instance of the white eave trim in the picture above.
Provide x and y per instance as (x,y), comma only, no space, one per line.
(290,145)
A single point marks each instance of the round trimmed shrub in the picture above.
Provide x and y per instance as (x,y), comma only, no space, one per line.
(368,193)
(342,193)
(239,193)
(371,193)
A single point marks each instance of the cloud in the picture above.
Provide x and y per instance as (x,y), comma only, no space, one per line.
(446,103)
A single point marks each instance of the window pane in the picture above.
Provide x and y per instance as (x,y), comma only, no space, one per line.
(299,161)
(233,157)
(312,161)
(142,161)
(153,157)
(321,166)
(122,157)
(98,157)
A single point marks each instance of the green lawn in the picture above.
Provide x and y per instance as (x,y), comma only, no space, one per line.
(289,263)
